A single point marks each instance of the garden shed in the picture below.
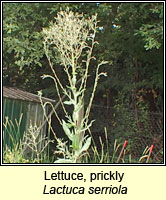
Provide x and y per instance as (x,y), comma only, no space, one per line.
(17,103)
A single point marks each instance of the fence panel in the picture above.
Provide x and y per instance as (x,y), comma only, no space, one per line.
(139,128)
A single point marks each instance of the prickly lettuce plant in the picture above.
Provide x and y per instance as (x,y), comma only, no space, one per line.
(72,38)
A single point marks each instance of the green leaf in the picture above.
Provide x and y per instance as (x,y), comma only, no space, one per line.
(88,126)
(67,130)
(86,145)
(71,102)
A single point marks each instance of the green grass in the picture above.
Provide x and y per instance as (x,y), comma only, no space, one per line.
(16,153)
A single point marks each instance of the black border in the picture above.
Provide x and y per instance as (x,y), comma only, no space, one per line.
(79,164)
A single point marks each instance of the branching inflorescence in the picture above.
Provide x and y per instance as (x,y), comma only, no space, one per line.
(72,38)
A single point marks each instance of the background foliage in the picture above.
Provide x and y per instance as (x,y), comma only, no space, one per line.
(130,38)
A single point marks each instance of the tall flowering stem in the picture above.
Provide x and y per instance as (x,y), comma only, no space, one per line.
(72,38)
